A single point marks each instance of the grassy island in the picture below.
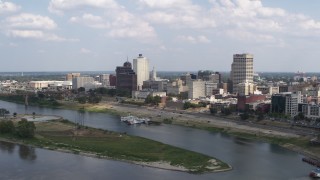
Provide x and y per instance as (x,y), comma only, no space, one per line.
(63,136)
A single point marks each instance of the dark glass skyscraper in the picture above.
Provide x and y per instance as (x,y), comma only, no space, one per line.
(126,77)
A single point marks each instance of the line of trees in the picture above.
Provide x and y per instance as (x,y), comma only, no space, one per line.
(23,129)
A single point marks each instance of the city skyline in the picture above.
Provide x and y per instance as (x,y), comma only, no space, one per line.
(181,35)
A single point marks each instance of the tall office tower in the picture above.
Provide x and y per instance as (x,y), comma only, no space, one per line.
(126,78)
(241,70)
(141,68)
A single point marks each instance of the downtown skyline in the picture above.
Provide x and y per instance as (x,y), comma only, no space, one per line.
(181,35)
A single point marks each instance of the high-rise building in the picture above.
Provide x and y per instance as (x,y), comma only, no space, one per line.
(141,68)
(241,70)
(126,77)
(286,103)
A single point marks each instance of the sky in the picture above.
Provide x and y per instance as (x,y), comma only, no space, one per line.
(175,35)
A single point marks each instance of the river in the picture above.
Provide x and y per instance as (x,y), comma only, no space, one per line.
(249,159)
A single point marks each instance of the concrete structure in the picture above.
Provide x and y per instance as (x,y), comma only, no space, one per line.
(241,70)
(245,88)
(153,75)
(209,87)
(211,76)
(70,76)
(126,77)
(286,103)
(311,111)
(104,79)
(141,68)
(313,94)
(155,85)
(176,87)
(196,89)
(187,78)
(83,81)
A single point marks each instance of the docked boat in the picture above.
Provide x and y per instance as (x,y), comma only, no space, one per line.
(134,120)
(315,173)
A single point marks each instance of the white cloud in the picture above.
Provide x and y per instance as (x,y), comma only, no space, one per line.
(85,51)
(241,19)
(193,39)
(8,7)
(91,21)
(254,17)
(59,6)
(126,25)
(165,3)
(36,34)
(26,20)
(178,14)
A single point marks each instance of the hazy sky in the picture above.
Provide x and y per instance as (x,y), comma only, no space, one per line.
(175,35)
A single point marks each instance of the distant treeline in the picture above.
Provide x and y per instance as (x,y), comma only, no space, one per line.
(32,100)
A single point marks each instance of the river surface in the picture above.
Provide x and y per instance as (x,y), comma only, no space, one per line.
(250,159)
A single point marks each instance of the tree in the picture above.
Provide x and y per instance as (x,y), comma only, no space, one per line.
(81,89)
(6,127)
(82,99)
(187,105)
(260,116)
(4,112)
(25,129)
(226,111)
(149,99)
(94,99)
(213,110)
(244,116)
(156,100)
(300,116)
(152,100)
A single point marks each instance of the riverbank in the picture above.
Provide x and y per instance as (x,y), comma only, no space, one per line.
(61,135)
(288,140)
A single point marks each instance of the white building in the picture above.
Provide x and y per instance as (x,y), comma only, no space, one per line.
(141,68)
(196,89)
(241,70)
(84,81)
(143,94)
(104,79)
(245,88)
(52,85)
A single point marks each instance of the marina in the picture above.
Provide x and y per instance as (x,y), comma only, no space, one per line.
(130,120)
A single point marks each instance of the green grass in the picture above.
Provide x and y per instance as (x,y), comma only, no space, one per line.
(134,149)
(114,145)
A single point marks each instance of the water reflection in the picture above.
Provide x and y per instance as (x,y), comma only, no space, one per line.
(27,153)
(7,147)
